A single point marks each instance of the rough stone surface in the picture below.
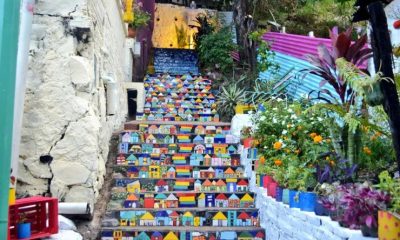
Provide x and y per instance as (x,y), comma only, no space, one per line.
(65,223)
(65,235)
(73,44)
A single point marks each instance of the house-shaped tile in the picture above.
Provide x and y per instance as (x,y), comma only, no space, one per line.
(154,171)
(147,148)
(200,130)
(209,173)
(123,148)
(231,184)
(211,130)
(209,149)
(172,148)
(161,186)
(198,140)
(172,201)
(229,173)
(153,129)
(260,236)
(201,200)
(147,220)
(159,201)
(187,219)
(135,149)
(149,200)
(171,173)
(242,185)
(207,160)
(220,148)
(233,201)
(131,201)
(196,159)
(121,160)
(232,149)
(126,137)
(157,236)
(143,236)
(239,172)
(132,172)
(199,149)
(135,137)
(133,187)
(197,186)
(220,220)
(171,236)
(144,172)
(175,218)
(207,185)
(247,201)
(221,201)
(220,186)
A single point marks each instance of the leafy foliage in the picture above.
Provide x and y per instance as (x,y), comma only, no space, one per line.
(215,50)
(204,28)
(265,55)
(228,98)
(141,18)
(325,64)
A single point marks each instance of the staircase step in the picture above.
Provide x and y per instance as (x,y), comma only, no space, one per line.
(134,125)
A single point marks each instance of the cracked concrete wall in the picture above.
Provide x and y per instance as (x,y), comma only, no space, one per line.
(73,44)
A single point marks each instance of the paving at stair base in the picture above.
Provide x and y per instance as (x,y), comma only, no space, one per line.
(178,172)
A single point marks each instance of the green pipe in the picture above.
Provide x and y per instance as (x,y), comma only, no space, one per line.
(9,27)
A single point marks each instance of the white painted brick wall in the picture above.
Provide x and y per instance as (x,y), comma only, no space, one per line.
(284,223)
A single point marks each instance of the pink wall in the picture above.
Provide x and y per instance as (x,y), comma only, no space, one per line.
(294,45)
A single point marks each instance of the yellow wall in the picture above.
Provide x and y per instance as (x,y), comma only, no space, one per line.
(167,16)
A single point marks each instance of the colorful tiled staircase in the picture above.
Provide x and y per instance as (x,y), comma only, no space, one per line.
(180,179)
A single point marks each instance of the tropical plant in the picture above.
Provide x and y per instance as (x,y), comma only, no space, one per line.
(215,50)
(228,98)
(391,186)
(361,204)
(141,18)
(204,28)
(324,66)
(181,36)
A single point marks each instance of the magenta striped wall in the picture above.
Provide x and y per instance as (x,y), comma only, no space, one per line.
(295,45)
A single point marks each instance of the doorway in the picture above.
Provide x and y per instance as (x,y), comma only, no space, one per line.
(132,103)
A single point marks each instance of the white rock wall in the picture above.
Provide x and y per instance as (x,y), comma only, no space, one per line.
(74,44)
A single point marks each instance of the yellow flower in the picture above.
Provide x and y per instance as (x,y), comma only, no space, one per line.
(312,135)
(367,150)
(297,151)
(332,163)
(277,145)
(318,139)
(278,162)
(299,127)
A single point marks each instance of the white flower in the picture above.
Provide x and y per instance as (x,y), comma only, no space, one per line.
(274,120)
(293,116)
(262,118)
(284,132)
(275,109)
(279,99)
(290,110)
(320,119)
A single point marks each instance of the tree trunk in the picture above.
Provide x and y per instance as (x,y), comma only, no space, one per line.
(245,24)
(382,48)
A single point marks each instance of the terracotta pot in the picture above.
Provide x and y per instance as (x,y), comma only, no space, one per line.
(131,32)
(247,142)
(388,226)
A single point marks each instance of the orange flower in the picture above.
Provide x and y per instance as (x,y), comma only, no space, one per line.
(373,138)
(278,162)
(332,163)
(277,145)
(367,150)
(313,135)
(262,159)
(297,151)
(318,139)
(378,134)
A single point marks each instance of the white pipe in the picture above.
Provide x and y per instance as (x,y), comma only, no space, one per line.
(25,29)
(74,208)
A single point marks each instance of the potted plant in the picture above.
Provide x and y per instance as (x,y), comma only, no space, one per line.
(140,19)
(23,227)
(307,198)
(245,136)
(323,191)
(389,220)
(360,205)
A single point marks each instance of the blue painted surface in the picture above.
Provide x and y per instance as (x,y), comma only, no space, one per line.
(175,61)
(302,83)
